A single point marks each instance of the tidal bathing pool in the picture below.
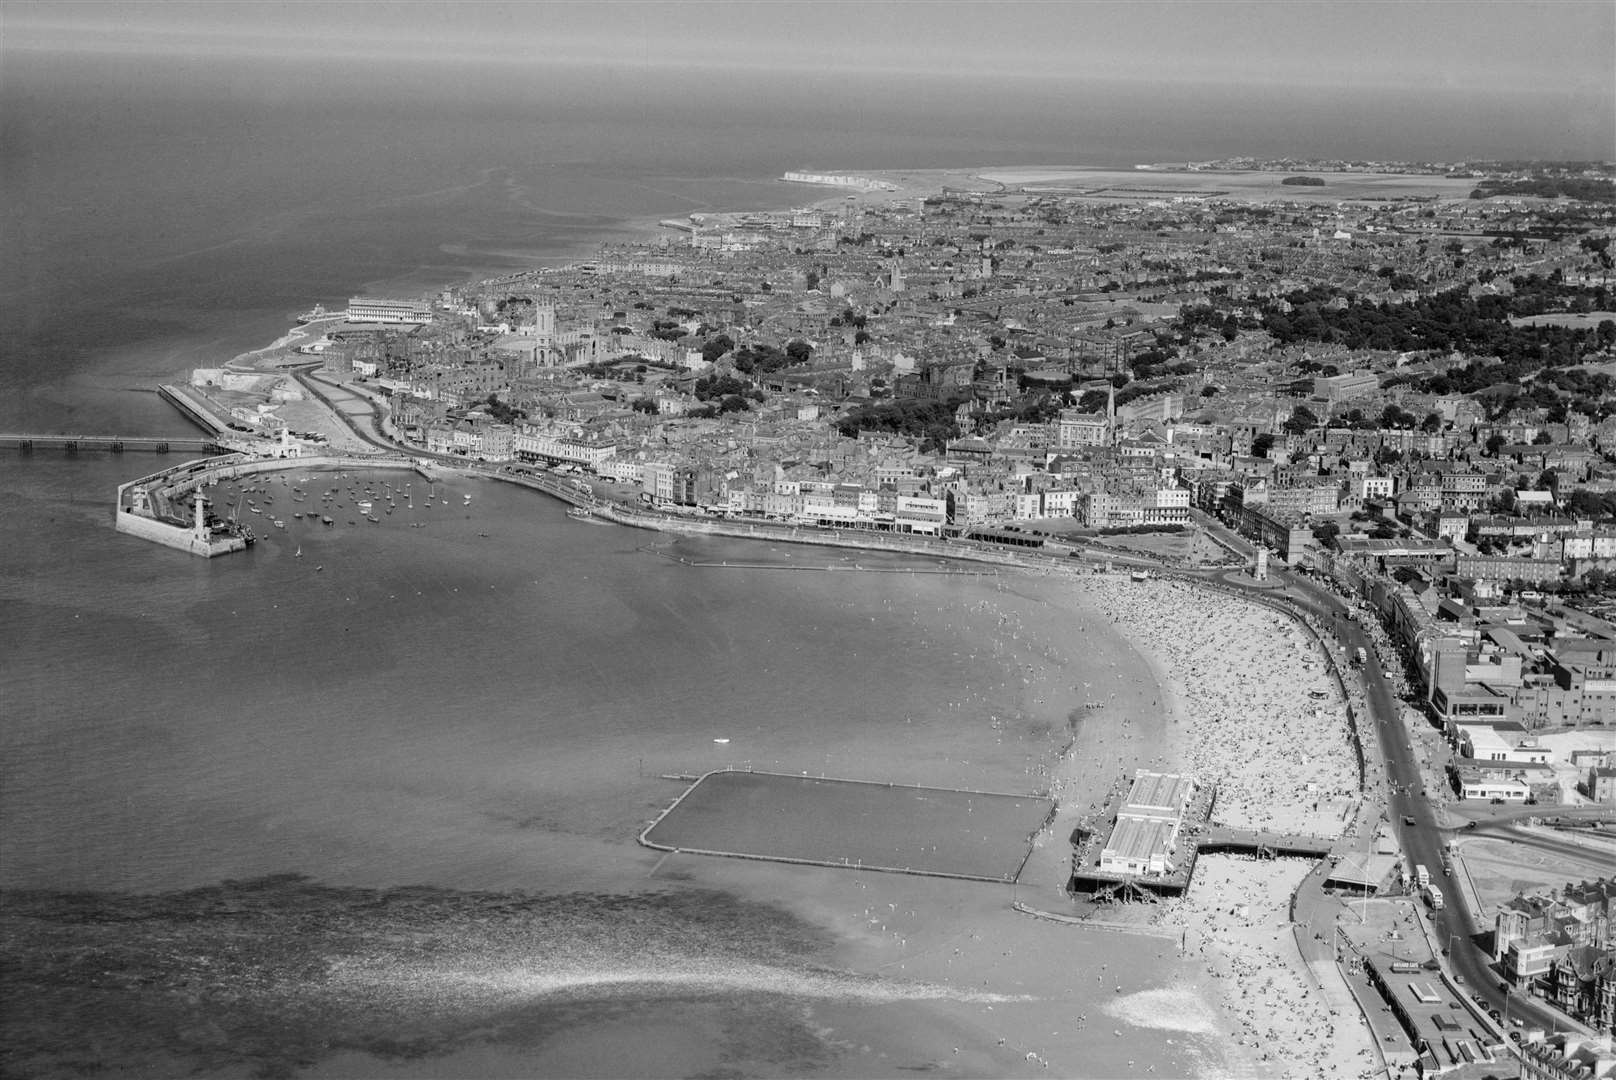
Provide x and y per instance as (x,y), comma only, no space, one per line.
(858,824)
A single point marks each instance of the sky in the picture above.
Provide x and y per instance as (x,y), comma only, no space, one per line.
(1565,48)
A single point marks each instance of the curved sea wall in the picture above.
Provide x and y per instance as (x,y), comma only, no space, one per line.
(152,507)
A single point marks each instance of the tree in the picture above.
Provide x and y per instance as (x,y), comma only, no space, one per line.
(1494,444)
(644,405)
(1542,438)
(798,351)
(716,347)
(1301,422)
(1393,417)
(504,412)
(1262,444)
(1587,504)
(1326,531)
(1432,423)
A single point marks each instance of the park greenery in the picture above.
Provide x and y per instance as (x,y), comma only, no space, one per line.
(931,421)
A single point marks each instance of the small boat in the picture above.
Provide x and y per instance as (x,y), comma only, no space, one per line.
(326,521)
(255,509)
(279,524)
(317,569)
(298,554)
(364,506)
(372,519)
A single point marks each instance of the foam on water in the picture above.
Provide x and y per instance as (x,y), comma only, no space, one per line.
(1166,1010)
(463,984)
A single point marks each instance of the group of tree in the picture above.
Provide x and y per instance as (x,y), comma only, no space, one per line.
(1029,409)
(1444,322)
(723,387)
(1302,420)
(503,412)
(767,359)
(849,318)
(1585,188)
(715,347)
(932,422)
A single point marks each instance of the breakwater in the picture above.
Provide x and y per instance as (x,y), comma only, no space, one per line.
(152,507)
(194,408)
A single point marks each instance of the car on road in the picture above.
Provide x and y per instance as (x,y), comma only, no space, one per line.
(1408,819)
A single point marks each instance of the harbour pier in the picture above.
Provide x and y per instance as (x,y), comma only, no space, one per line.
(116,444)
(153,507)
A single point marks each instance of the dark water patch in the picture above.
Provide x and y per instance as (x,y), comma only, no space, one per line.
(276,974)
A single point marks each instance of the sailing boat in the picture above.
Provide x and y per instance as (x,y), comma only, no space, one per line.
(298,554)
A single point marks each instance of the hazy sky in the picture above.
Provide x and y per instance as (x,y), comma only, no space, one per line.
(1561,47)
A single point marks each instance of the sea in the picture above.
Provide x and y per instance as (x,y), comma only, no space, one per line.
(363,800)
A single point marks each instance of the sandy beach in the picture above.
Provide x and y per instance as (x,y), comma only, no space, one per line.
(1235,917)
(1254,708)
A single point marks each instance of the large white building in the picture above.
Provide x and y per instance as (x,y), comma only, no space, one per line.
(1145,837)
(378,309)
(546,446)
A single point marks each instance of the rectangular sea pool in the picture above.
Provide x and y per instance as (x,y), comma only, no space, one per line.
(868,825)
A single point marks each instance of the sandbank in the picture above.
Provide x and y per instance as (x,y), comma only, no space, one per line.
(1241,185)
